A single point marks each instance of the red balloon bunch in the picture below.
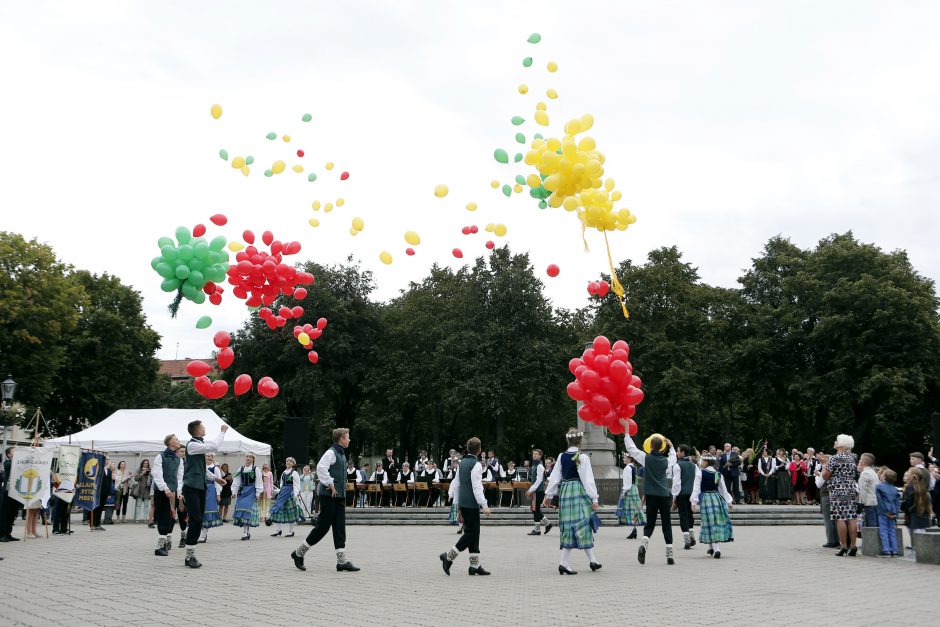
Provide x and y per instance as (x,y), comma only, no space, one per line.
(313,333)
(605,382)
(598,288)
(259,276)
(267,387)
(214,292)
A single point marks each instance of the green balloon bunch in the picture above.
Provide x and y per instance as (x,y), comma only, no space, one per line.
(189,263)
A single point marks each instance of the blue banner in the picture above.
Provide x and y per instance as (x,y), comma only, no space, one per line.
(90,472)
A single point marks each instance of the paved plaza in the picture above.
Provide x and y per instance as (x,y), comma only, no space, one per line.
(113,578)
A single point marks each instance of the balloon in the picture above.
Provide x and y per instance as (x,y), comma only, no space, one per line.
(490,245)
(223,154)
(632,427)
(215,111)
(242,384)
(267,237)
(523,88)
(534,38)
(616,428)
(465,230)
(552,94)
(297,168)
(618,372)
(440,190)
(313,357)
(202,385)
(297,311)
(627,411)
(199,230)
(321,324)
(553,67)
(588,414)
(285,138)
(552,270)
(218,389)
(633,395)
(499,230)
(344,176)
(303,338)
(238,163)
(600,404)
(358,224)
(329,165)
(225,357)
(520,138)
(385,257)
(647,443)
(517,120)
(603,288)
(300,153)
(592,288)
(278,166)
(203,322)
(541,118)
(507,191)
(577,392)
(527,62)
(268,388)
(601,345)
(306,117)
(588,357)
(574,363)
(248,236)
(471,206)
(198,368)
(221,339)
(619,355)
(311,177)
(457,253)
(501,156)
(601,364)
(410,252)
(591,380)
(300,293)
(272,135)
(412,238)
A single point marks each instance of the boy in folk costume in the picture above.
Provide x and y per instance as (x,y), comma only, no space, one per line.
(710,496)
(168,481)
(657,488)
(683,480)
(331,471)
(248,490)
(286,509)
(577,502)
(536,492)
(194,483)
(629,507)
(467,488)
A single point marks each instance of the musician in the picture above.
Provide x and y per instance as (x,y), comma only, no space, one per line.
(489,479)
(511,471)
(380,477)
(422,462)
(493,462)
(364,474)
(352,476)
(450,461)
(433,478)
(390,464)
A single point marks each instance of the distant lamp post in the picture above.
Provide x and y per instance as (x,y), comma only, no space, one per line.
(8,388)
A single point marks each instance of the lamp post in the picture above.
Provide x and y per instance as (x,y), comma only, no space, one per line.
(8,389)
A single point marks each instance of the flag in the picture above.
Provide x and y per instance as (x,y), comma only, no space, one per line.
(90,472)
(67,472)
(30,476)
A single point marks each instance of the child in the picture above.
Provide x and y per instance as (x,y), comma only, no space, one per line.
(711,497)
(467,488)
(867,482)
(629,508)
(915,500)
(889,505)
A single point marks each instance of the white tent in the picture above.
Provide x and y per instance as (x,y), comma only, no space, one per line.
(142,431)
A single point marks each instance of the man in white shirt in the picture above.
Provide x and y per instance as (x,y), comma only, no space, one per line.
(467,488)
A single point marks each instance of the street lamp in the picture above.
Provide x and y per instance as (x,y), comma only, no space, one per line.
(8,389)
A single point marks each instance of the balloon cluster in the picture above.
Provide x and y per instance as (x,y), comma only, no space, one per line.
(259,276)
(189,264)
(605,382)
(598,288)
(215,390)
(306,335)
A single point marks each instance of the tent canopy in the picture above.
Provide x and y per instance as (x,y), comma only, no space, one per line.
(143,430)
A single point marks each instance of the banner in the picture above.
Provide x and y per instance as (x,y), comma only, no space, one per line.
(30,476)
(67,474)
(90,471)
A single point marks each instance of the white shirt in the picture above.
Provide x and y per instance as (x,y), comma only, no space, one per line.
(295,477)
(215,472)
(157,474)
(867,482)
(384,477)
(677,480)
(697,486)
(323,468)
(584,473)
(627,478)
(539,475)
(411,480)
(195,447)
(476,482)
(237,482)
(640,456)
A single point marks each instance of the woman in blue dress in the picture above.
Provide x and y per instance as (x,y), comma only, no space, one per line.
(248,487)
(286,509)
(214,482)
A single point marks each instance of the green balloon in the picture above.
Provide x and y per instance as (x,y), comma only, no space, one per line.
(516,120)
(183,236)
(201,251)
(216,274)
(500,155)
(169,253)
(189,291)
(199,297)
(311,177)
(527,62)
(170,285)
(223,257)
(185,252)
(213,258)
(520,138)
(224,154)
(306,117)
(182,272)
(542,204)
(164,241)
(271,135)
(268,173)
(249,160)
(538,136)
(217,243)
(165,270)
(195,264)
(520,179)
(517,158)
(196,278)
(204,322)
(507,191)
(534,38)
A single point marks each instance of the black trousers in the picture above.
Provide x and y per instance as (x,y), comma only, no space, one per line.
(684,508)
(8,515)
(537,515)
(731,483)
(162,513)
(658,506)
(195,510)
(471,530)
(96,516)
(60,521)
(332,516)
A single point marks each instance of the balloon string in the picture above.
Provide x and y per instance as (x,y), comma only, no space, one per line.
(615,285)
(583,230)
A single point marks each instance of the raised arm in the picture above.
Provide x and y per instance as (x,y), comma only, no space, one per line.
(194,447)
(632,450)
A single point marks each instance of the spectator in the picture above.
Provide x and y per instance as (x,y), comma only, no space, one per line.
(225,495)
(823,487)
(840,474)
(797,470)
(867,483)
(141,491)
(915,501)
(811,465)
(781,477)
(889,506)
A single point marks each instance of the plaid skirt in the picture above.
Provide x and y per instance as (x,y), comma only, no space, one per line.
(629,509)
(246,509)
(286,509)
(715,524)
(211,518)
(452,519)
(574,516)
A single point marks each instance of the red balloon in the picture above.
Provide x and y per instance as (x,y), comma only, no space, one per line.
(634,396)
(410,251)
(636,382)
(573,364)
(616,428)
(588,357)
(580,370)
(627,411)
(618,372)
(292,248)
(600,404)
(279,321)
(219,219)
(199,230)
(620,345)
(225,357)
(202,385)
(215,298)
(457,253)
(285,312)
(601,345)
(313,357)
(198,368)
(267,237)
(221,339)
(490,245)
(314,333)
(308,328)
(297,311)
(592,288)
(465,230)
(474,229)
(264,313)
(632,427)
(577,392)
(321,323)
(248,236)
(300,293)
(602,364)
(587,414)
(602,289)
(591,380)
(218,390)
(209,288)
(618,354)
(344,176)
(552,270)
(300,153)
(268,389)
(242,384)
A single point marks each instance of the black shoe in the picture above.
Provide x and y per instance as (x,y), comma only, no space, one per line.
(595,566)
(99,528)
(162,552)
(348,566)
(548,527)
(290,535)
(534,532)
(200,541)
(478,570)
(853,551)
(641,554)
(717,555)
(192,562)
(830,545)
(687,546)
(151,526)
(710,552)
(460,531)
(671,561)
(182,543)
(692,538)
(298,560)
(268,522)
(632,535)
(244,538)
(566,571)
(841,552)
(274,535)
(446,563)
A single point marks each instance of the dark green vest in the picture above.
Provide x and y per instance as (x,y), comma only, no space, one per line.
(655,482)
(465,497)
(171,465)
(338,473)
(534,473)
(687,474)
(194,470)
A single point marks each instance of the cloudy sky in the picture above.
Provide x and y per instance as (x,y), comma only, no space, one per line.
(723,123)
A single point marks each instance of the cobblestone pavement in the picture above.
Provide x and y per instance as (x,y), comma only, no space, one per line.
(113,578)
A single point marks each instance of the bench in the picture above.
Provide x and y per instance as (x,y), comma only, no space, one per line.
(927,546)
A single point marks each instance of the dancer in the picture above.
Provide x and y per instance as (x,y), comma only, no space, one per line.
(536,493)
(168,480)
(285,508)
(629,507)
(467,488)
(711,497)
(307,486)
(454,517)
(332,475)
(577,502)
(248,488)
(179,506)
(658,492)
(214,481)
(684,474)
(194,483)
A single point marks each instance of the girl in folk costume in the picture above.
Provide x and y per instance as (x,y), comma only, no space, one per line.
(307,486)
(248,488)
(765,471)
(285,508)
(214,482)
(782,477)
(577,502)
(629,508)
(710,496)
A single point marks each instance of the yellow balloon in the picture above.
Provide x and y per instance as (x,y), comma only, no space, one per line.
(358,224)
(235,246)
(278,167)
(494,184)
(552,66)
(471,206)
(298,168)
(647,443)
(316,205)
(499,230)
(238,163)
(441,190)
(552,94)
(286,138)
(303,338)
(541,106)
(412,238)
(517,188)
(314,222)
(587,121)
(533,180)
(340,202)
(541,118)
(329,165)
(353,231)
(488,228)
(328,207)
(246,170)
(385,257)
(523,88)
(216,111)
